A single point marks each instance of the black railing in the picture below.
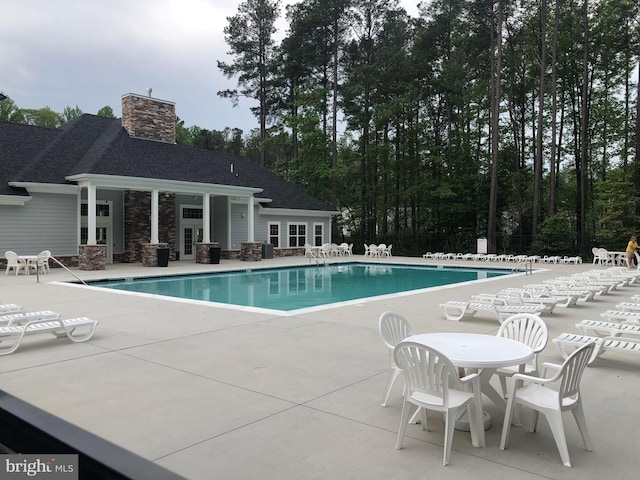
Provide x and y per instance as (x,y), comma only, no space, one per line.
(27,429)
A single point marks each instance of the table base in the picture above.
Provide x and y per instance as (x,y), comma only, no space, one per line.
(462,423)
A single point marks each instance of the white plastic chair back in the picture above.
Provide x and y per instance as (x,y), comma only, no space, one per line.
(570,374)
(526,328)
(431,381)
(13,262)
(551,396)
(393,328)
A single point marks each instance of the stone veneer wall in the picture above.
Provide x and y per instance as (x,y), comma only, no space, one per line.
(202,252)
(149,253)
(93,257)
(251,252)
(288,252)
(137,225)
(149,118)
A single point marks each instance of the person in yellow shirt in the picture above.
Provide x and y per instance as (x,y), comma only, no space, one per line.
(632,246)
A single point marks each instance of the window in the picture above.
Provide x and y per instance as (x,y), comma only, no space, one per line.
(188,212)
(274,234)
(297,234)
(102,210)
(317,234)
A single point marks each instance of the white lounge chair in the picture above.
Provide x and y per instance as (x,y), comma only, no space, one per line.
(619,315)
(515,299)
(542,296)
(9,308)
(569,342)
(22,317)
(454,310)
(11,336)
(608,329)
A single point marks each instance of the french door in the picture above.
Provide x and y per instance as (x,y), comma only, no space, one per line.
(191,234)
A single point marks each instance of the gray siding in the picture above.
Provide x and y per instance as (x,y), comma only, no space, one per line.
(47,222)
(238,225)
(219,222)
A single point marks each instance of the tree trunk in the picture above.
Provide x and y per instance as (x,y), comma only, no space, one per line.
(496,65)
(537,166)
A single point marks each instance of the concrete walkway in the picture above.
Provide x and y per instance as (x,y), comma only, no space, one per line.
(218,393)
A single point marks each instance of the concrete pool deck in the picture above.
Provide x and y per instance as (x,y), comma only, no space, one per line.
(221,393)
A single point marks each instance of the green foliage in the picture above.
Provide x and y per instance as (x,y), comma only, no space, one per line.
(555,237)
(43,117)
(9,111)
(106,111)
(69,114)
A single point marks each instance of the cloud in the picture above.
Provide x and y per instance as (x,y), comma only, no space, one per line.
(90,53)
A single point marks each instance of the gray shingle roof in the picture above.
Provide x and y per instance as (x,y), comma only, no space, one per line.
(98,145)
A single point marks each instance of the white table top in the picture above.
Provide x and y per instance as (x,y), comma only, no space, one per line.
(474,350)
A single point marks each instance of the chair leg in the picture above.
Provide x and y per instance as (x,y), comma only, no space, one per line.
(554,418)
(450,421)
(578,414)
(503,385)
(506,425)
(391,380)
(404,420)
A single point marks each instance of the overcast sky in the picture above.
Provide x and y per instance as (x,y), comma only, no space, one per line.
(90,52)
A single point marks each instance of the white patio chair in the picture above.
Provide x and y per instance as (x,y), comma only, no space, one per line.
(308,251)
(38,264)
(14,262)
(393,328)
(431,381)
(538,394)
(530,330)
(387,252)
(367,250)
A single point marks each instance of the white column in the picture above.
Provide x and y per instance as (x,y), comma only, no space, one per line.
(91,215)
(250,234)
(206,218)
(154,217)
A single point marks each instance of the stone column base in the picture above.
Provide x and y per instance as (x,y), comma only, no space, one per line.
(202,251)
(150,254)
(251,252)
(92,257)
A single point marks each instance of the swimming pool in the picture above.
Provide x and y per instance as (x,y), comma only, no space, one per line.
(292,289)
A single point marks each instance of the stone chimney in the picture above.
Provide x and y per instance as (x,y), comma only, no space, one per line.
(149,118)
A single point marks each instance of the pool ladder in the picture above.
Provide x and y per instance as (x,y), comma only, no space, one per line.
(63,266)
(528,267)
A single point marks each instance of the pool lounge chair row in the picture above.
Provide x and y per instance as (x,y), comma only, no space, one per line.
(542,298)
(501,258)
(15,325)
(619,332)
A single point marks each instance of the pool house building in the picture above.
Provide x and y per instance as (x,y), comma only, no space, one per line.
(101,190)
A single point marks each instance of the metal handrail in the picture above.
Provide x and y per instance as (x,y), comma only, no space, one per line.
(63,266)
(528,267)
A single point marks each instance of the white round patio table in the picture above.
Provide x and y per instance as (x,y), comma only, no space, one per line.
(480,353)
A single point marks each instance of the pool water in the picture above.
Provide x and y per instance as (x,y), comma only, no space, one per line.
(294,288)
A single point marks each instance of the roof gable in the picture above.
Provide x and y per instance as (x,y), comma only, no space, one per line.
(100,146)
